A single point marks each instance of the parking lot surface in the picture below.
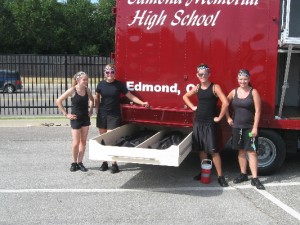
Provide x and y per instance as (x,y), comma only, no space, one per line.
(38,188)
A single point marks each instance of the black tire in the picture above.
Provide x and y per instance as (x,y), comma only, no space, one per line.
(9,88)
(271,152)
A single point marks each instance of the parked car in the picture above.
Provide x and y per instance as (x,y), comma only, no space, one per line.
(10,81)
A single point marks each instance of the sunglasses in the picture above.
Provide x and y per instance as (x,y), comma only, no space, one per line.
(202,74)
(109,72)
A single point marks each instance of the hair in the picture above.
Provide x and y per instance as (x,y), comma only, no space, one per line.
(203,66)
(77,76)
(244,72)
(109,67)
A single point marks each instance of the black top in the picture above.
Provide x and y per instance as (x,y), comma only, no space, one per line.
(244,110)
(207,105)
(80,105)
(110,96)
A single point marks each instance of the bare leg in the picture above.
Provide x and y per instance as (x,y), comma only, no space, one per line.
(82,146)
(242,161)
(202,155)
(102,131)
(75,144)
(218,163)
(253,163)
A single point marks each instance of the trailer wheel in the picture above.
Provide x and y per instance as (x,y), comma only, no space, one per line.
(271,151)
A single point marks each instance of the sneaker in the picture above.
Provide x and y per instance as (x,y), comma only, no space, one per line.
(241,178)
(73,167)
(104,166)
(81,167)
(114,168)
(256,182)
(197,177)
(222,181)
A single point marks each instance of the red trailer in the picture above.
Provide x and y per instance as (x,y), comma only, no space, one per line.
(159,44)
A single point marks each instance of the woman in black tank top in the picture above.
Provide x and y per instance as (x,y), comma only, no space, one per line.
(204,127)
(246,107)
(81,111)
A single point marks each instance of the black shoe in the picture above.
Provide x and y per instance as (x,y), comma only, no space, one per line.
(104,166)
(73,167)
(81,167)
(222,181)
(241,178)
(197,177)
(256,182)
(114,168)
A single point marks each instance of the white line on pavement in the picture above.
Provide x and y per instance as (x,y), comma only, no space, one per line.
(280,204)
(266,194)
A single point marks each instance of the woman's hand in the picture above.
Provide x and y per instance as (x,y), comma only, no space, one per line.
(254,132)
(91,113)
(71,116)
(145,104)
(194,108)
(217,119)
(230,122)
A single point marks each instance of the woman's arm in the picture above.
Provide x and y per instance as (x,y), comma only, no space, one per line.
(63,97)
(224,101)
(136,99)
(229,99)
(97,101)
(91,102)
(257,106)
(186,98)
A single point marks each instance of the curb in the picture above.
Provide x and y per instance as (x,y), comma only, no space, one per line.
(38,122)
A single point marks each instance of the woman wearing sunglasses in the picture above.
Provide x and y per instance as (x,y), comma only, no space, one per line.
(107,103)
(206,117)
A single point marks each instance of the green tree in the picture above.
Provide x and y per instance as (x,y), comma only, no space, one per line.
(78,20)
(104,27)
(38,24)
(8,30)
(91,27)
(49,27)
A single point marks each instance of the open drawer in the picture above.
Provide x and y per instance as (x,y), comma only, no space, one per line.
(104,147)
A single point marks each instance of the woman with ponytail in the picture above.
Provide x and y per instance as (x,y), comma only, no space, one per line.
(81,110)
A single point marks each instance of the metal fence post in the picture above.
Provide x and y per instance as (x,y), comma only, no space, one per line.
(66,78)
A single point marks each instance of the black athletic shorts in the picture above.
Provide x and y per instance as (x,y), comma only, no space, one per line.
(77,124)
(241,139)
(108,122)
(204,137)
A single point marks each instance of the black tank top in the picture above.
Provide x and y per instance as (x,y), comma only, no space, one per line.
(243,111)
(80,105)
(207,105)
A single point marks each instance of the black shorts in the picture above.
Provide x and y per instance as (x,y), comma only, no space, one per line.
(204,137)
(108,122)
(77,124)
(241,139)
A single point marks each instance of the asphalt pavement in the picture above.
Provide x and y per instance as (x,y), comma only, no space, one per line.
(37,187)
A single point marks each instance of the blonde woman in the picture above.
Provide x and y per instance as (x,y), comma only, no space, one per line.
(246,106)
(81,110)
